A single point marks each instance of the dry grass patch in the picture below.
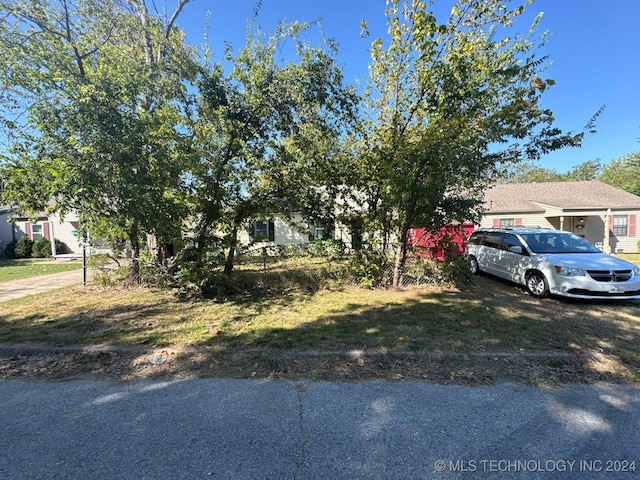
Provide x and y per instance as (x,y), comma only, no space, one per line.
(474,334)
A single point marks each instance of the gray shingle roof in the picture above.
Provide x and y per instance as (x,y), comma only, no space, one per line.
(530,197)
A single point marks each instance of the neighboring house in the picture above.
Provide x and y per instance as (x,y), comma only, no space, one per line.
(604,215)
(6,229)
(14,226)
(278,230)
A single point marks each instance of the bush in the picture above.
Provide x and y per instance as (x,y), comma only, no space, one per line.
(9,250)
(61,247)
(23,248)
(41,248)
(327,248)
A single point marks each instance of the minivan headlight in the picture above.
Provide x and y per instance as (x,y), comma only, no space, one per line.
(636,271)
(570,271)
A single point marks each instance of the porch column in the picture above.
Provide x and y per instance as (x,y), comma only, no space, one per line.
(52,239)
(606,248)
(561,222)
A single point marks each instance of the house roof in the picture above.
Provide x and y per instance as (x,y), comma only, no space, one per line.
(534,197)
(4,209)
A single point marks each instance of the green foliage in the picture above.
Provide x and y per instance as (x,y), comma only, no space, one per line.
(195,271)
(265,135)
(9,250)
(41,248)
(370,269)
(23,248)
(530,172)
(624,173)
(327,248)
(455,103)
(94,93)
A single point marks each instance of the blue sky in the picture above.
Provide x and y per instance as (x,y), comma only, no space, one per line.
(594,49)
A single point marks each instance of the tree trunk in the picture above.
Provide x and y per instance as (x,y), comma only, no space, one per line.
(228,264)
(401,250)
(135,252)
(400,257)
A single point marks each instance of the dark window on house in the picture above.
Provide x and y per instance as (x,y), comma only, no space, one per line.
(36,232)
(620,225)
(316,230)
(262,230)
(507,222)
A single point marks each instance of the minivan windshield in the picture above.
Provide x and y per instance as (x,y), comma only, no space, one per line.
(558,242)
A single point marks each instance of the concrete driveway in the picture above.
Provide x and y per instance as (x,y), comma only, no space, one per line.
(260,429)
(42,283)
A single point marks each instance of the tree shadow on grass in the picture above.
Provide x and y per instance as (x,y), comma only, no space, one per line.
(475,334)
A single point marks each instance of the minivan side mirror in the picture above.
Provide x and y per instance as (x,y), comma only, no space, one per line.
(516,249)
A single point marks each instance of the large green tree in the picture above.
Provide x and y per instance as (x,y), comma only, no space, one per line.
(624,173)
(455,101)
(530,171)
(92,99)
(265,135)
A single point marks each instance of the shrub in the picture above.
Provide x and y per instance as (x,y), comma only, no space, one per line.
(61,247)
(327,248)
(9,250)
(23,248)
(41,248)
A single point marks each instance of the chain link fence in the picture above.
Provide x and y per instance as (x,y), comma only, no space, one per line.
(281,268)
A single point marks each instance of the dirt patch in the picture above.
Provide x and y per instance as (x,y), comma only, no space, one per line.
(540,369)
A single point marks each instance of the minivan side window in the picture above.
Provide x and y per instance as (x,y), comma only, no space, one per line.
(492,239)
(511,241)
(475,238)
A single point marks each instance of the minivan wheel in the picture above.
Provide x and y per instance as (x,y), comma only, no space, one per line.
(473,266)
(537,285)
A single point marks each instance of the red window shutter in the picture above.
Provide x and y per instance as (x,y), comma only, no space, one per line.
(611,224)
(632,225)
(496,222)
(518,222)
(27,229)
(46,230)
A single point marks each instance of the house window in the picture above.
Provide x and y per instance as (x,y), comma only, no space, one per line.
(316,230)
(507,222)
(262,230)
(36,232)
(620,225)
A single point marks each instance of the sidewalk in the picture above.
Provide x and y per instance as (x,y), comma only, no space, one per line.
(43,283)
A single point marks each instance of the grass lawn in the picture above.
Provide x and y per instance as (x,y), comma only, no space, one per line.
(471,320)
(630,257)
(33,267)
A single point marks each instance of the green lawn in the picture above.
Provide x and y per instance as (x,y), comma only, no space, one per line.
(32,267)
(630,257)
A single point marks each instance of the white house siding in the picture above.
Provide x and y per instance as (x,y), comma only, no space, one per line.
(521,219)
(628,243)
(286,234)
(5,229)
(66,230)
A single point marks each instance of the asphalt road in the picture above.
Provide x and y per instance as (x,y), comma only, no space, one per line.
(250,429)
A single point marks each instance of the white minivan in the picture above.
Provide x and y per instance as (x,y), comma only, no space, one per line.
(552,262)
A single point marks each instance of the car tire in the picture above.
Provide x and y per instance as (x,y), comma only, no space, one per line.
(537,284)
(474,268)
